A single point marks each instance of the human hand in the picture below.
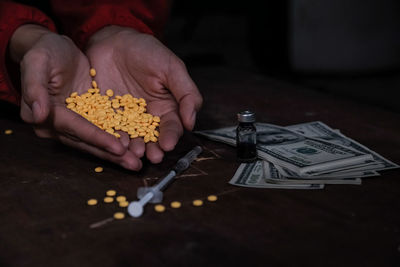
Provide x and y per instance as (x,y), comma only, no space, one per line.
(131,62)
(52,67)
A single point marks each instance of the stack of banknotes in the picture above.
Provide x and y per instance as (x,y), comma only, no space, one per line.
(302,156)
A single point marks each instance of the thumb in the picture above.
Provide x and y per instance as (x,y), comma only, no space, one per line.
(34,81)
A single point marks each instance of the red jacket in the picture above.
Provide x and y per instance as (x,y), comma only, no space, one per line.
(79,20)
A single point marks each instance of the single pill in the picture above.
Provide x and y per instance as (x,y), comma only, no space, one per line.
(111,193)
(124,204)
(94,84)
(109,92)
(92,202)
(197,202)
(121,198)
(159,208)
(108,199)
(92,72)
(176,204)
(8,131)
(119,215)
(212,198)
(98,169)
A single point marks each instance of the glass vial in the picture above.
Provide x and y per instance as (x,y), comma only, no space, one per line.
(246,137)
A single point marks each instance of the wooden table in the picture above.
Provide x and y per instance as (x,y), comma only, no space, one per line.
(45,220)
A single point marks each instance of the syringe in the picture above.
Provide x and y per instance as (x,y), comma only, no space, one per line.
(154,194)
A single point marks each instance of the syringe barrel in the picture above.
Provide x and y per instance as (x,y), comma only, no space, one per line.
(184,162)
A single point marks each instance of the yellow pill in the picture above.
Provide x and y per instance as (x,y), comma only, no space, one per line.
(176,204)
(110,92)
(92,202)
(98,169)
(124,204)
(8,131)
(119,215)
(156,119)
(197,202)
(159,208)
(69,100)
(212,198)
(74,94)
(111,193)
(108,199)
(94,84)
(121,198)
(92,72)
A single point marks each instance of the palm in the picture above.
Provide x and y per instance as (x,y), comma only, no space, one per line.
(138,64)
(140,72)
(51,70)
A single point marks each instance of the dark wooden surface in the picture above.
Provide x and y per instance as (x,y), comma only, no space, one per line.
(44,186)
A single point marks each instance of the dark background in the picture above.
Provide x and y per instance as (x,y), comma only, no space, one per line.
(349,48)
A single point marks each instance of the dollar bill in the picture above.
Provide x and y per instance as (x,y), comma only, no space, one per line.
(253,175)
(319,130)
(282,179)
(301,154)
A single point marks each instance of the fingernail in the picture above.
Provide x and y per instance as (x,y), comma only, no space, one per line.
(36,110)
(193,119)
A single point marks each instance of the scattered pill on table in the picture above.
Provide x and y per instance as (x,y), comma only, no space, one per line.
(119,215)
(111,193)
(212,198)
(159,208)
(92,202)
(124,204)
(98,169)
(108,199)
(197,202)
(8,131)
(121,198)
(176,204)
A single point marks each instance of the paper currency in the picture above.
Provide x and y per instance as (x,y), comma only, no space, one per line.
(299,153)
(320,130)
(253,175)
(303,156)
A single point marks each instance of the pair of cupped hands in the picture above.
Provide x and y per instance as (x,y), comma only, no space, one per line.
(52,67)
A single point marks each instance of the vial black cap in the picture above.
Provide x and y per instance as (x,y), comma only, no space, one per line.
(246,116)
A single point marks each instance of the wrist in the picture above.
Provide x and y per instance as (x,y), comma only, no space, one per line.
(24,38)
(106,32)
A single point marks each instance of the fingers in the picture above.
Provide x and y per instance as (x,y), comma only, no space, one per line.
(128,160)
(185,92)
(69,123)
(170,131)
(34,82)
(154,153)
(137,146)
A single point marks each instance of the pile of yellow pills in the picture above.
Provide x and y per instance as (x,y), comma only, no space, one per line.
(108,199)
(111,193)
(98,169)
(159,208)
(197,202)
(8,131)
(212,198)
(176,204)
(113,113)
(92,202)
(119,215)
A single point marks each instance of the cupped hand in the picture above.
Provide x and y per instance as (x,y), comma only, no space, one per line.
(52,67)
(127,61)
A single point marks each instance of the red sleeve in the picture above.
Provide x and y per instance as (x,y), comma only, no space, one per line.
(13,15)
(82,18)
